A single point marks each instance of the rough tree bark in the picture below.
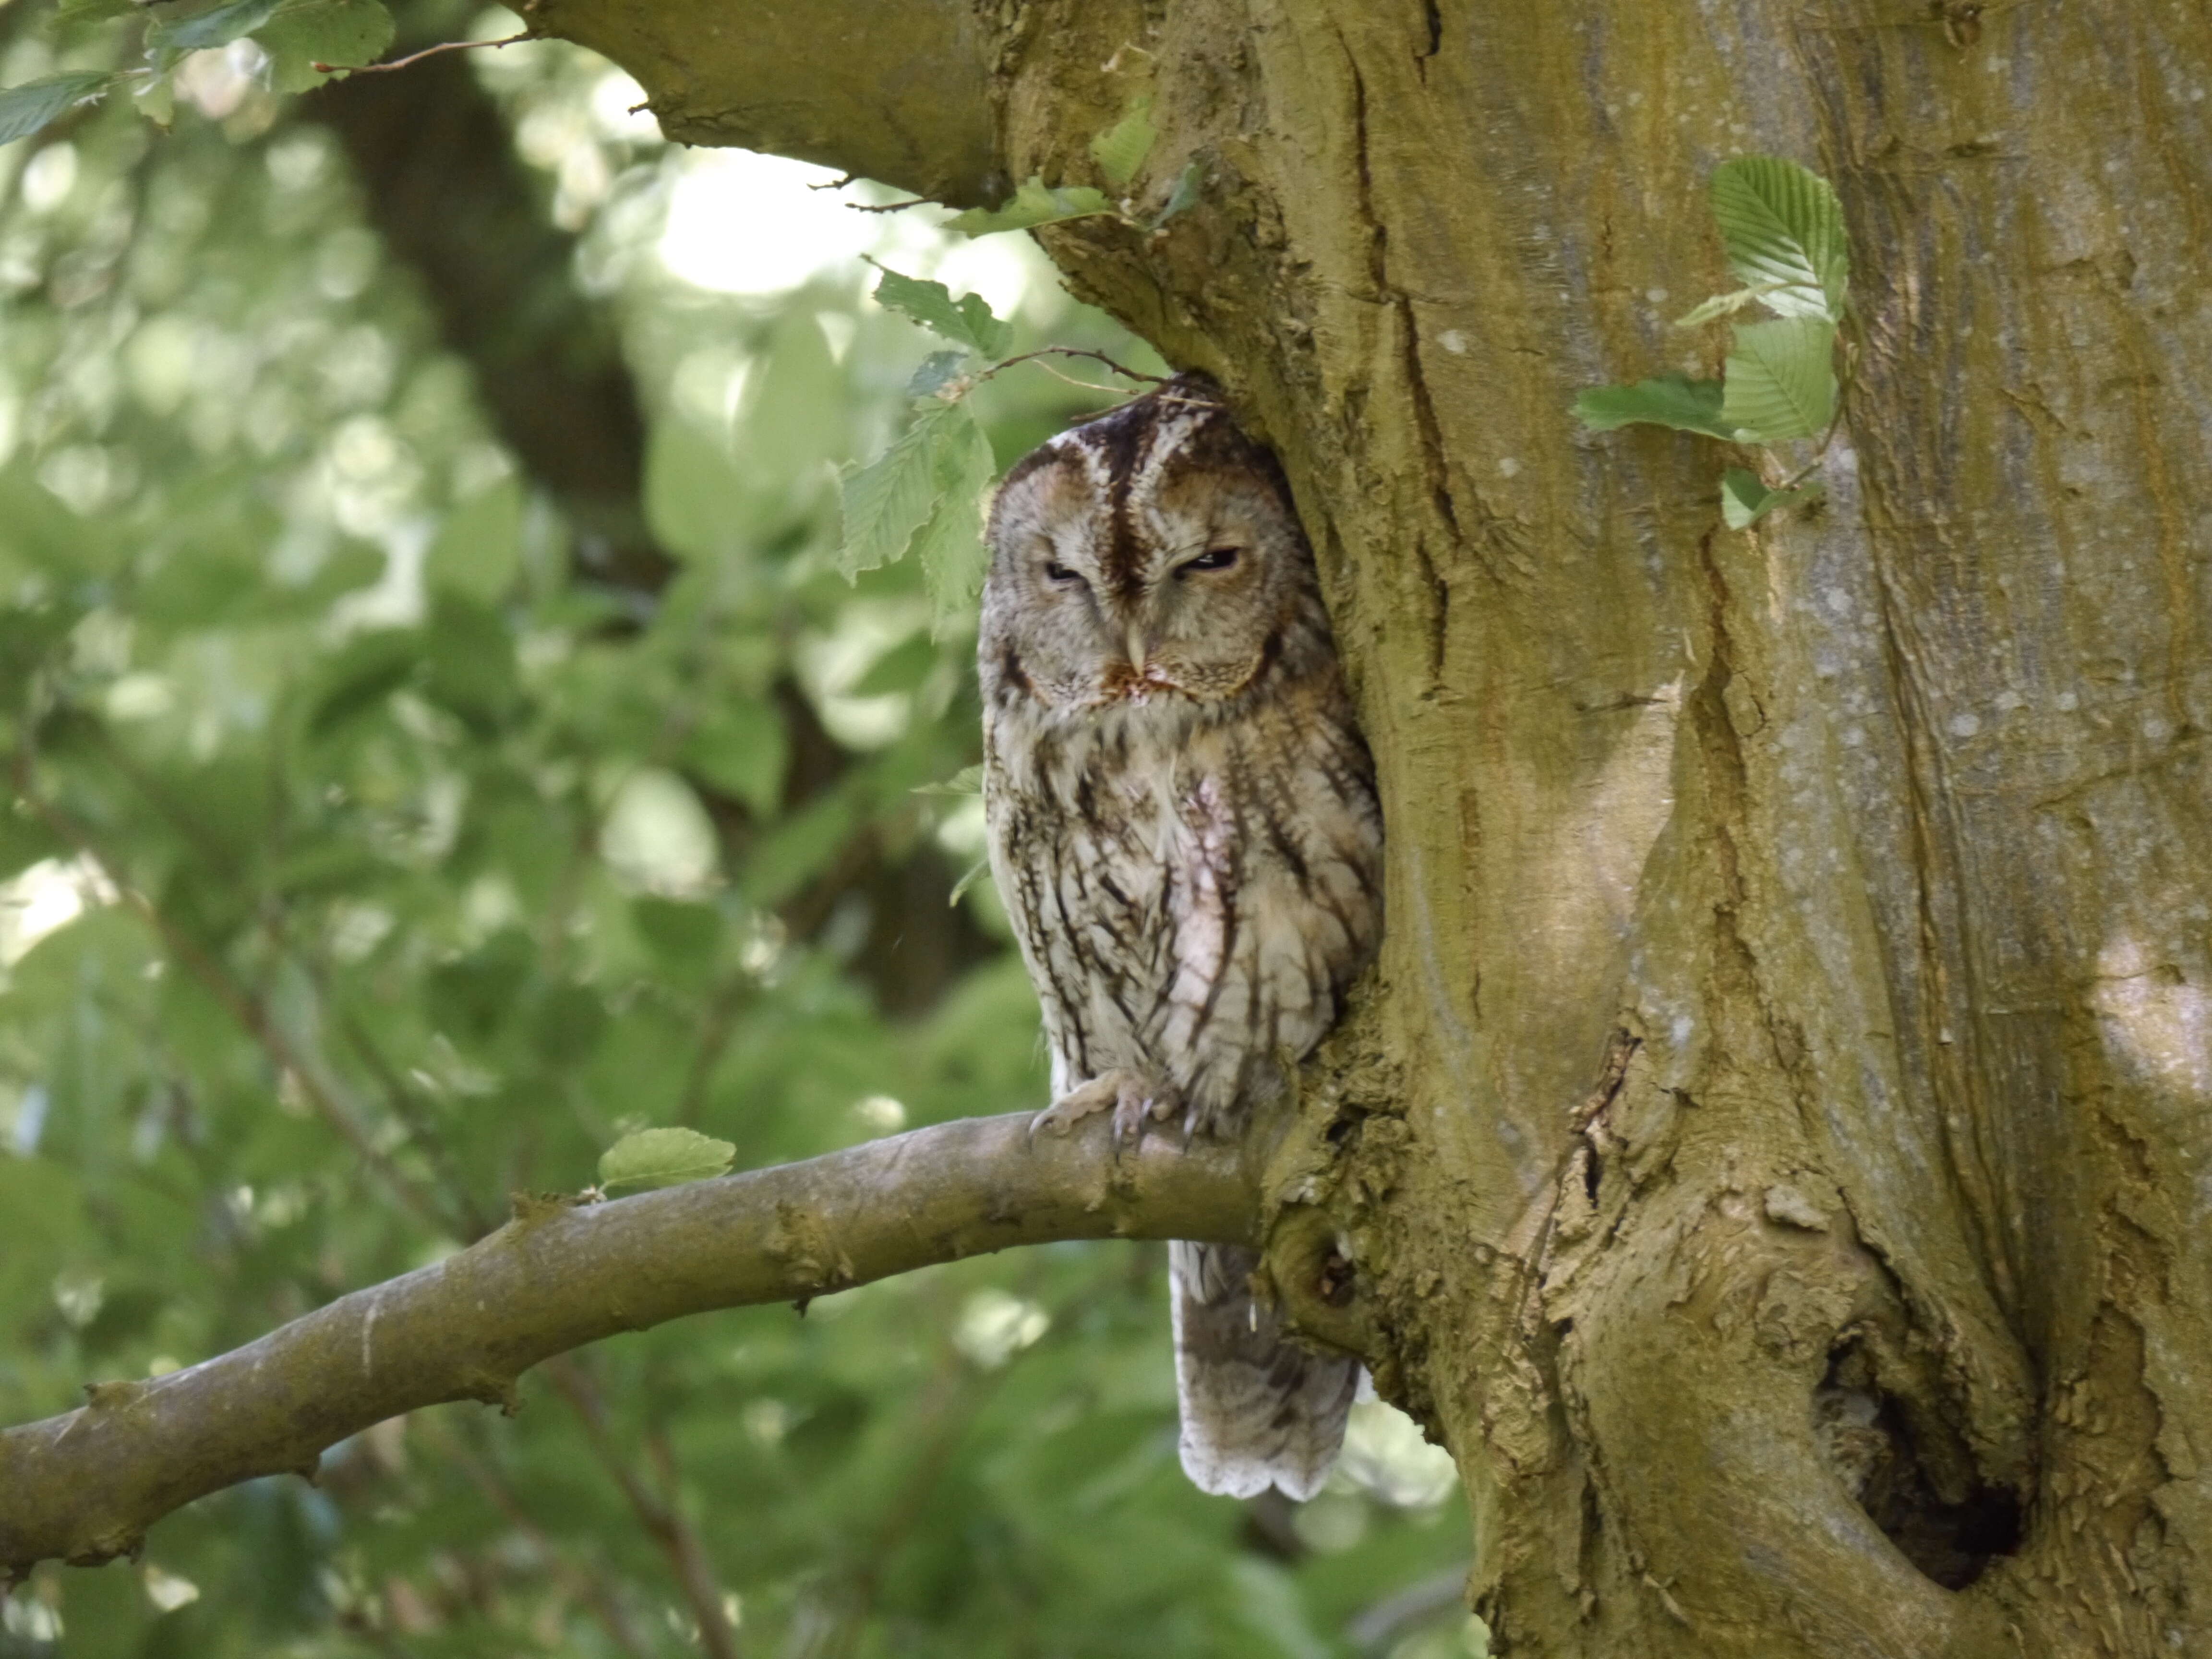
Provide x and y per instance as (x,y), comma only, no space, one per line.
(1771,1142)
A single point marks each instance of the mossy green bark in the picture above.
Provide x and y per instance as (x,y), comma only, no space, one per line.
(1772,1139)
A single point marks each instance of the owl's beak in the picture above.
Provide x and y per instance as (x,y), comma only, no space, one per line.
(1139,651)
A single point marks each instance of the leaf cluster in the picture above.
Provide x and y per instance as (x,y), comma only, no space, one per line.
(1782,229)
(303,43)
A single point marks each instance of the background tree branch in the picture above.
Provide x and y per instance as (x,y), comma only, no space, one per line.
(900,93)
(84,1487)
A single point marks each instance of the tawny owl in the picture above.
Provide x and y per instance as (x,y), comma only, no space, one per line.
(1183,826)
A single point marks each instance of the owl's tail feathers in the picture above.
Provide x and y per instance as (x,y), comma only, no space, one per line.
(1257,1409)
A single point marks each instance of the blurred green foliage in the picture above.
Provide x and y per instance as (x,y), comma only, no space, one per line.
(373,854)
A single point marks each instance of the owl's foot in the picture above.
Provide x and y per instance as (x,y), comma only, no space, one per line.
(1132,1098)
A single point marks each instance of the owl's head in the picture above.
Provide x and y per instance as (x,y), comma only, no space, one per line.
(1150,555)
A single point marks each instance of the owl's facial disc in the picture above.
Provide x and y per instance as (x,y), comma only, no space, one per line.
(1151,563)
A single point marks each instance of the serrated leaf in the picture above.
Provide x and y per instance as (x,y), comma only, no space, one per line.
(219,27)
(1182,197)
(1780,381)
(1033,204)
(343,34)
(664,1157)
(950,543)
(966,321)
(1122,148)
(968,780)
(1671,400)
(887,501)
(1782,228)
(25,109)
(1744,500)
(938,370)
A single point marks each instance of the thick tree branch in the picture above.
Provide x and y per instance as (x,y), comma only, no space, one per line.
(899,92)
(84,1487)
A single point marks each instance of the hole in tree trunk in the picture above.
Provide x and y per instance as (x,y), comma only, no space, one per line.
(1949,1528)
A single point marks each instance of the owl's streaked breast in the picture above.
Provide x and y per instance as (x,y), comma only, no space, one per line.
(1194,878)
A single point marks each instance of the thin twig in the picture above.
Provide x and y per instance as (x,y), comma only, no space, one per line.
(1072,351)
(273,918)
(244,1008)
(1084,386)
(416,56)
(592,1587)
(656,1511)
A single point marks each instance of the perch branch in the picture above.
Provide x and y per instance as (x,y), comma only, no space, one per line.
(84,1487)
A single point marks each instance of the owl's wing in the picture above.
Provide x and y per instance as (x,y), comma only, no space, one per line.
(1257,1409)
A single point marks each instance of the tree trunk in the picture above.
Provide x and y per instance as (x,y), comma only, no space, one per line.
(1771,1144)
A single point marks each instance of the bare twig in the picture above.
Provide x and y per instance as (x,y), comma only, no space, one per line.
(585,1582)
(656,1512)
(1072,351)
(250,1012)
(84,1487)
(1374,1629)
(418,56)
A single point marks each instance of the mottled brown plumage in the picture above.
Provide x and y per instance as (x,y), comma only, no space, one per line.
(1183,827)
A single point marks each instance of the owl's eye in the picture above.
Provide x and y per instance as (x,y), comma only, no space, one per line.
(1055,571)
(1214,558)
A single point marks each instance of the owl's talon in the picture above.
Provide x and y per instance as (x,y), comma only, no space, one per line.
(1131,1097)
(1142,1102)
(1077,1103)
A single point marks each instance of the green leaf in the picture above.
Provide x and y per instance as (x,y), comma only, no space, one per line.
(219,27)
(739,747)
(888,500)
(691,479)
(938,370)
(1781,379)
(950,541)
(25,109)
(966,321)
(365,670)
(471,660)
(1122,148)
(664,1157)
(1745,501)
(1183,196)
(479,548)
(1033,204)
(1784,230)
(343,34)
(682,931)
(1672,400)
(968,780)
(902,668)
(976,871)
